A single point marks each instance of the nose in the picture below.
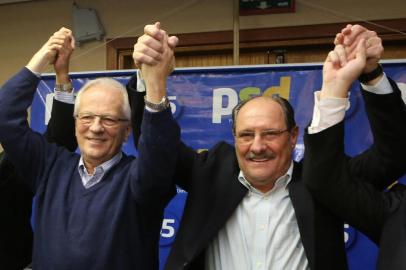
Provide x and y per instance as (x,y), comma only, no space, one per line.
(96,125)
(258,145)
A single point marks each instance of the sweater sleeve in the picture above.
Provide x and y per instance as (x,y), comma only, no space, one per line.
(158,153)
(27,150)
(188,158)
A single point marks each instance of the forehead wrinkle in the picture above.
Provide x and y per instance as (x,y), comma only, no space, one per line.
(101,101)
(269,117)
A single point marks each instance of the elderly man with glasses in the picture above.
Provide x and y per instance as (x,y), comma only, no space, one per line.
(101,209)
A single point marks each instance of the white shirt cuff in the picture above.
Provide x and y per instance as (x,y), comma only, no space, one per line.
(327,112)
(382,87)
(140,83)
(150,109)
(65,97)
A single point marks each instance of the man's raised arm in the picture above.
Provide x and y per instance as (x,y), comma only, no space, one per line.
(61,125)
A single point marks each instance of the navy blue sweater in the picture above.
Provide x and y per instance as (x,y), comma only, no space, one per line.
(112,225)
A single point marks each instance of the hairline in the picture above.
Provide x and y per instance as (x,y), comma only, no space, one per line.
(288,112)
(113,84)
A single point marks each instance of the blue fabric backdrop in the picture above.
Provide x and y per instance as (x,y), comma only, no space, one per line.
(202,100)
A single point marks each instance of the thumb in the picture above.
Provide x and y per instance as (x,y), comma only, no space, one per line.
(72,42)
(173,42)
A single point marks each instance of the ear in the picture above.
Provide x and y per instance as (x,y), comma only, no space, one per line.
(127,132)
(294,134)
(76,127)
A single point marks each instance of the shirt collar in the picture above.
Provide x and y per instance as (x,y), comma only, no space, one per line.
(281,182)
(102,168)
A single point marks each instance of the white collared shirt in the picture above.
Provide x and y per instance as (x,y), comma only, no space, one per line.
(90,180)
(262,233)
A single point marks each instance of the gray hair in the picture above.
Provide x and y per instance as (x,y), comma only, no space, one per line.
(106,82)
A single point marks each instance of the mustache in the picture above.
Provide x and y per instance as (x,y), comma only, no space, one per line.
(264,155)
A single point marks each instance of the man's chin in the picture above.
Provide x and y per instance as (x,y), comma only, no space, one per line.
(259,175)
(93,156)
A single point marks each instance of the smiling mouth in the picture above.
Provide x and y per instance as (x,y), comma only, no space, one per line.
(259,159)
(262,157)
(96,140)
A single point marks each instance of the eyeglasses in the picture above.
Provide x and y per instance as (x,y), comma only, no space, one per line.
(105,120)
(268,135)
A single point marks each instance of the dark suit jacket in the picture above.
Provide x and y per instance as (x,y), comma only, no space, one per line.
(351,188)
(16,197)
(214,192)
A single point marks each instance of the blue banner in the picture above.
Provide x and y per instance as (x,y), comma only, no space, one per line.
(202,102)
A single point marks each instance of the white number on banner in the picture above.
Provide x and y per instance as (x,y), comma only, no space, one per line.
(173,105)
(346,235)
(350,235)
(168,229)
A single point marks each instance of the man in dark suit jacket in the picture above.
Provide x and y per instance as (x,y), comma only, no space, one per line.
(352,188)
(15,196)
(247,206)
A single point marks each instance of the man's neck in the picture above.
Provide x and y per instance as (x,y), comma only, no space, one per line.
(91,164)
(265,187)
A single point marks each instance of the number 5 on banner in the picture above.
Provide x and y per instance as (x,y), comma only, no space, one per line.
(168,229)
(170,225)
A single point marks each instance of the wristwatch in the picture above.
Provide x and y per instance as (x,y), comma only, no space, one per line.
(163,105)
(367,77)
(66,87)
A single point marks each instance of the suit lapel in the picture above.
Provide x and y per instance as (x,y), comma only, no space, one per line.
(229,195)
(304,210)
